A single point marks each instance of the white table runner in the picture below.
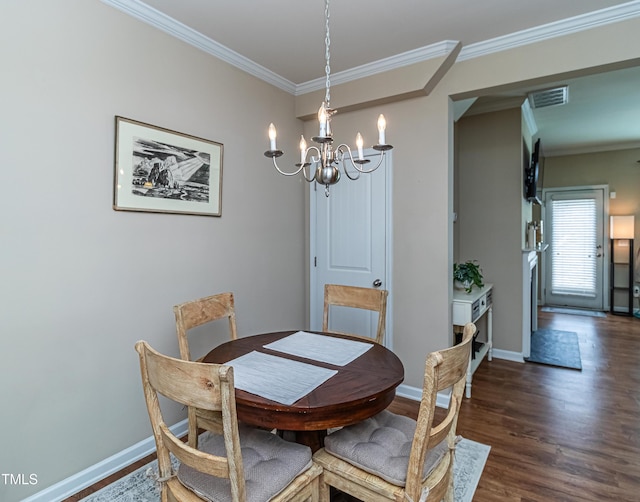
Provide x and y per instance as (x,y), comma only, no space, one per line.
(276,378)
(328,349)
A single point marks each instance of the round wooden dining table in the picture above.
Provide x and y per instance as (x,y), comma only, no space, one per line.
(359,390)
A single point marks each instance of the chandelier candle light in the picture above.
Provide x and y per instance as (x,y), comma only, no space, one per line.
(325,159)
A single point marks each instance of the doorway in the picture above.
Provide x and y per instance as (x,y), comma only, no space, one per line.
(350,243)
(574,221)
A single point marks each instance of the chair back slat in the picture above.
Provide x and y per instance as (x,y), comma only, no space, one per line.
(203,462)
(356,297)
(194,384)
(196,313)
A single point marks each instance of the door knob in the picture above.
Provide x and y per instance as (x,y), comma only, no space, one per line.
(377,283)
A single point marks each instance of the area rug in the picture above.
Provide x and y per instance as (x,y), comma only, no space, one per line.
(555,348)
(564,310)
(140,485)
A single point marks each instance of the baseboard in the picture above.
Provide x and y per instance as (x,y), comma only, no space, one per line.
(415,394)
(507,355)
(101,470)
(442,401)
(409,392)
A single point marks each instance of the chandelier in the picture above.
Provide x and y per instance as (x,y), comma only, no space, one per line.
(324,158)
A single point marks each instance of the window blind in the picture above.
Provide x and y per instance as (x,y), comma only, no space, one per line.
(573,244)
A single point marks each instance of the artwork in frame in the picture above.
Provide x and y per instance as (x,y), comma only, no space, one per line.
(162,171)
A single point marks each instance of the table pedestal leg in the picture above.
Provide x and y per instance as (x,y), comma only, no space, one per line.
(312,439)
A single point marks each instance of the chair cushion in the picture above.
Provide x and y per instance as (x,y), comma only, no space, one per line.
(270,464)
(381,445)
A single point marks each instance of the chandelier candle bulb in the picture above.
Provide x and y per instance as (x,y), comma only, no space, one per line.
(382,125)
(359,144)
(272,137)
(303,149)
(322,118)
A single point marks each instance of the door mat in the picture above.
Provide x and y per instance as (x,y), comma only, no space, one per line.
(555,348)
(564,310)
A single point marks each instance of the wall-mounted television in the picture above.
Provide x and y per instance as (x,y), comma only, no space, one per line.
(531,175)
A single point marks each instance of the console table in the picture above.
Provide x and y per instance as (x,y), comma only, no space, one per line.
(469,307)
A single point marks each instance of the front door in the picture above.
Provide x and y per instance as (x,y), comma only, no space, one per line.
(349,244)
(574,225)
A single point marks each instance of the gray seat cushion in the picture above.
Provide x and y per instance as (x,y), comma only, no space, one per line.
(270,464)
(381,445)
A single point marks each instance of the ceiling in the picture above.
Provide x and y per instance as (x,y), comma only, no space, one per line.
(602,113)
(282,41)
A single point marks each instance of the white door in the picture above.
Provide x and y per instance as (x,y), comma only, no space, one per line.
(350,238)
(574,225)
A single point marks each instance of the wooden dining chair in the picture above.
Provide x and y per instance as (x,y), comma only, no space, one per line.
(235,463)
(392,457)
(196,313)
(356,297)
(190,315)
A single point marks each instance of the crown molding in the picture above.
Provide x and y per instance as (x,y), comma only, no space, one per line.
(552,30)
(495,105)
(391,63)
(591,148)
(157,19)
(153,17)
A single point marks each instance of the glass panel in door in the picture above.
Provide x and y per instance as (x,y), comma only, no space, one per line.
(574,222)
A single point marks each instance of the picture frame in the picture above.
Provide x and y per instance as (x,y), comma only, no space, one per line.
(158,170)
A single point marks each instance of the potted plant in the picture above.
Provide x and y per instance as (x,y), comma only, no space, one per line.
(467,275)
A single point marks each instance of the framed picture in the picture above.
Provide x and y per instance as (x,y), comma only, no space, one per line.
(163,171)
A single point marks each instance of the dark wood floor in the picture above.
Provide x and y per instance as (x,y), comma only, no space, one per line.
(560,434)
(555,434)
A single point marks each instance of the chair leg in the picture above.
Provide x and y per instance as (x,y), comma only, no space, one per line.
(448,496)
(315,493)
(324,490)
(193,428)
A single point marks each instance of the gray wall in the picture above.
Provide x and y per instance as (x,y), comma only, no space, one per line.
(490,203)
(80,282)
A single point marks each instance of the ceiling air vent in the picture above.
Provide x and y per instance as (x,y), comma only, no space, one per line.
(549,97)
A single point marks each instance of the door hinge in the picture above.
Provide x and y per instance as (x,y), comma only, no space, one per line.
(315,261)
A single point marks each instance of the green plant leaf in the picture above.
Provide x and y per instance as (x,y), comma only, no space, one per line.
(469,273)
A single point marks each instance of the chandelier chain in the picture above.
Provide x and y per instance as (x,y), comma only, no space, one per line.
(323,163)
(327,54)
